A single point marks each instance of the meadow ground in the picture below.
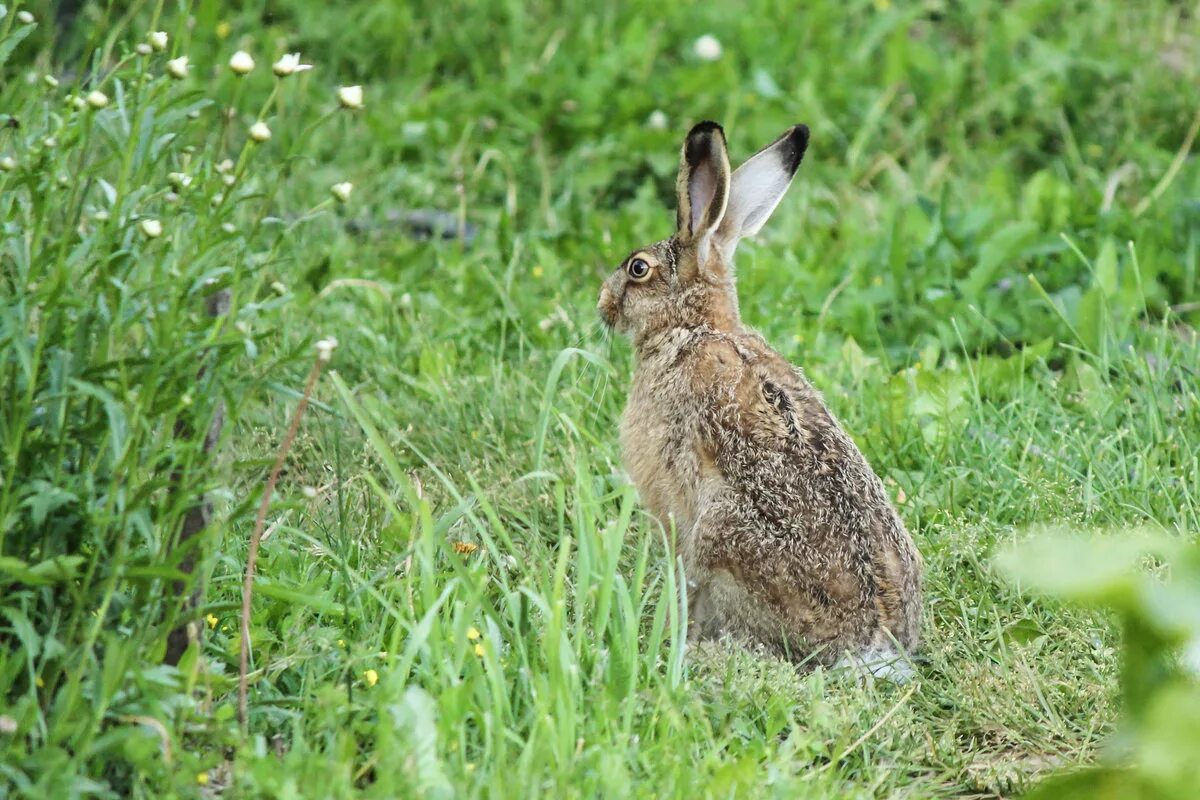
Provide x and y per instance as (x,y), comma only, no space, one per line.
(988,264)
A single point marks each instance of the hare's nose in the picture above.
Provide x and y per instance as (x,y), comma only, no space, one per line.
(605,305)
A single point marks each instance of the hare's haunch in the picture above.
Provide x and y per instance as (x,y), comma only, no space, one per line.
(787,537)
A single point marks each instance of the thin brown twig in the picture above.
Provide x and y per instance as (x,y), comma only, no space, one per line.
(1185,308)
(155,725)
(256,537)
(1172,169)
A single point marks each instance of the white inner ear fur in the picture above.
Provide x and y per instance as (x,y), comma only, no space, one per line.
(755,190)
(702,187)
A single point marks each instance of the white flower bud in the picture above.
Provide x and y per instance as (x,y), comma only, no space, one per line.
(177,68)
(228,227)
(158,40)
(259,132)
(341,191)
(325,349)
(179,180)
(150,228)
(97,99)
(50,81)
(241,62)
(657,120)
(228,179)
(78,102)
(8,164)
(289,64)
(25,18)
(100,215)
(143,49)
(350,96)
(50,143)
(707,48)
(171,197)
(225,165)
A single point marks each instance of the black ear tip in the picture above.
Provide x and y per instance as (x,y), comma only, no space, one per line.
(707,126)
(699,144)
(797,139)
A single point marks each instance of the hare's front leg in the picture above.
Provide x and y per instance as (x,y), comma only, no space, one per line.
(708,591)
(703,617)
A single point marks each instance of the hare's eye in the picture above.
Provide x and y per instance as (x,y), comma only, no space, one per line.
(638,269)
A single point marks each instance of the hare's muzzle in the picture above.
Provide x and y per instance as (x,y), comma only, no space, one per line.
(607,306)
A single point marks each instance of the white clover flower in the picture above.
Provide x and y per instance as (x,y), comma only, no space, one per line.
(158,40)
(177,68)
(143,49)
(25,18)
(150,228)
(325,349)
(8,164)
(657,120)
(707,48)
(241,62)
(259,132)
(1191,656)
(350,96)
(50,81)
(179,180)
(289,64)
(341,191)
(97,99)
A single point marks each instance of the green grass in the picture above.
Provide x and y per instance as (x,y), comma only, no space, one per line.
(988,264)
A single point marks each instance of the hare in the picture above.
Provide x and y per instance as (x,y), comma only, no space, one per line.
(787,539)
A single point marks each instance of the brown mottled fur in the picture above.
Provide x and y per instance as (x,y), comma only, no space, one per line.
(787,537)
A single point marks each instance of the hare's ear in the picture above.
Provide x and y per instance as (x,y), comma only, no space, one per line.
(703,184)
(759,184)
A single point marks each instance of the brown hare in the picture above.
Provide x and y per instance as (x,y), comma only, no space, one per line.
(787,538)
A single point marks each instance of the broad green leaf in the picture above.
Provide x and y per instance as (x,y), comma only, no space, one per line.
(1094,569)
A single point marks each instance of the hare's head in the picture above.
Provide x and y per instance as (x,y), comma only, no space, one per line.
(688,279)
